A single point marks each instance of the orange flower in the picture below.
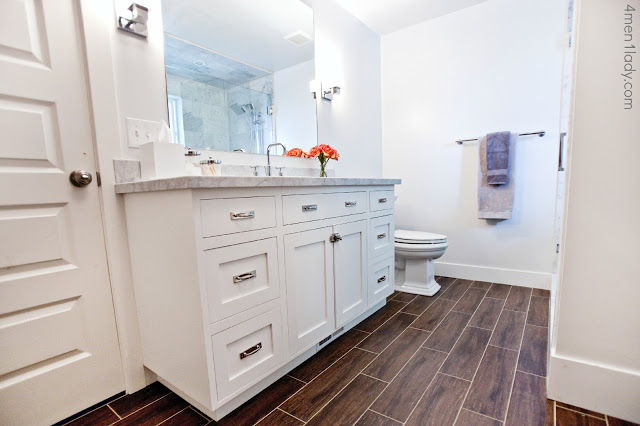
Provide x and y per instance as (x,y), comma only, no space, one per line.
(325,150)
(296,152)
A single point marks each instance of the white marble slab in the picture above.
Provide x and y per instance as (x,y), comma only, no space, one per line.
(196,182)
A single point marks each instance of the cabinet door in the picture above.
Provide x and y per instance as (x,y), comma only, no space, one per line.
(350,266)
(308,262)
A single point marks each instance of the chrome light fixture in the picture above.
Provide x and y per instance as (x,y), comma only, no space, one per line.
(137,23)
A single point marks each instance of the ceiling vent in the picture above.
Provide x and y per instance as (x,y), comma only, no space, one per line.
(298,38)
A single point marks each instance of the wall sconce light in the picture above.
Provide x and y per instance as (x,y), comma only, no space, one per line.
(137,23)
(328,92)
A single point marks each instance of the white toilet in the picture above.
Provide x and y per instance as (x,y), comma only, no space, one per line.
(417,251)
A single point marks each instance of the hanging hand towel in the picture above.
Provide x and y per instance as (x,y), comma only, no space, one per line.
(496,201)
(498,158)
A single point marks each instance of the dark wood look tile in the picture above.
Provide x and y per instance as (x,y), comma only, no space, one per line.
(529,404)
(533,354)
(499,291)
(619,422)
(538,312)
(392,359)
(434,314)
(403,393)
(379,317)
(130,403)
(440,403)
(481,284)
(489,393)
(469,418)
(566,417)
(419,304)
(316,394)
(392,295)
(487,313)
(445,336)
(347,407)
(315,365)
(467,353)
(470,301)
(374,419)
(456,290)
(404,297)
(538,292)
(387,333)
(101,416)
(261,404)
(186,417)
(444,282)
(579,410)
(518,299)
(279,418)
(508,331)
(156,412)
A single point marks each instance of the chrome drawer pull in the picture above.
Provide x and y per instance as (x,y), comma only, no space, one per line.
(350,203)
(382,200)
(381,236)
(243,215)
(382,278)
(309,207)
(243,277)
(252,350)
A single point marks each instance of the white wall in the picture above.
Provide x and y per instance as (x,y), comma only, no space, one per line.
(595,351)
(348,53)
(296,124)
(126,76)
(491,67)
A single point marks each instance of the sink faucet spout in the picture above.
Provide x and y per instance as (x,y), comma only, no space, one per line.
(269,155)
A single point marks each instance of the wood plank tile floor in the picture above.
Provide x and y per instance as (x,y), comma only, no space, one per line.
(474,354)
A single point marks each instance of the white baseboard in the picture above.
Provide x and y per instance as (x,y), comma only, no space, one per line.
(601,388)
(495,275)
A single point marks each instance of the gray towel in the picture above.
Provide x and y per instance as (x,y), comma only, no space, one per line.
(498,158)
(495,201)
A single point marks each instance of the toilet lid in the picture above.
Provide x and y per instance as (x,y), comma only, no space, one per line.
(418,237)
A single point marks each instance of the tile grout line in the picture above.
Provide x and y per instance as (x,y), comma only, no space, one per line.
(175,414)
(200,414)
(481,358)
(114,412)
(578,412)
(451,375)
(345,386)
(466,395)
(289,414)
(295,378)
(554,413)
(391,381)
(380,380)
(513,381)
(374,411)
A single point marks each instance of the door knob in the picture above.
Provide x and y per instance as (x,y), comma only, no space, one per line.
(80,178)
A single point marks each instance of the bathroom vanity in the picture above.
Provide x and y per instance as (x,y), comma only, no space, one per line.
(240,279)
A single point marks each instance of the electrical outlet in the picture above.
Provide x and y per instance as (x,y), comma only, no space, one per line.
(142,131)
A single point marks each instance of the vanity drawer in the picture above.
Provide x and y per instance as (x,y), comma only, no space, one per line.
(308,207)
(230,215)
(381,280)
(241,276)
(247,351)
(381,200)
(381,242)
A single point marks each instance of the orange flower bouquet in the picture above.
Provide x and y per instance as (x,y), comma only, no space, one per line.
(296,152)
(323,153)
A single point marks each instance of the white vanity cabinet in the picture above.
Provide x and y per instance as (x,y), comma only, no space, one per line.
(236,286)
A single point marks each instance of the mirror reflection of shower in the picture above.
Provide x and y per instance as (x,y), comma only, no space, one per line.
(257,131)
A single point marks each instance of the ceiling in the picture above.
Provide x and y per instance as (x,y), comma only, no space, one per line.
(250,31)
(387,16)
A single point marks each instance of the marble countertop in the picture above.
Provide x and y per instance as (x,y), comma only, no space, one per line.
(198,182)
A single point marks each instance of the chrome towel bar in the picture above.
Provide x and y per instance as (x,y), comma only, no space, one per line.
(541,133)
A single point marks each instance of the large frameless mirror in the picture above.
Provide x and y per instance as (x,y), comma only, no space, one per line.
(238,73)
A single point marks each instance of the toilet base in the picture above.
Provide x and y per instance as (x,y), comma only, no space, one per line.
(419,278)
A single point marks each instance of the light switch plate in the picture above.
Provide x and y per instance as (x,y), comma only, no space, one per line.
(142,131)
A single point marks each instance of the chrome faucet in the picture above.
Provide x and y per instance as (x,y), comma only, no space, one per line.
(269,155)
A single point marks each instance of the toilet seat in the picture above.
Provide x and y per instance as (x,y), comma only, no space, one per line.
(417,237)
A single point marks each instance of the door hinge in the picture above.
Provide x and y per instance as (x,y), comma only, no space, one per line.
(98,179)
(335,238)
(557,248)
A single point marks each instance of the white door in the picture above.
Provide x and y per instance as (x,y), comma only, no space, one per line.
(58,346)
(308,258)
(350,263)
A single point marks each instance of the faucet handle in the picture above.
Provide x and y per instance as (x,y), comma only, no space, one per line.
(255,170)
(280,170)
